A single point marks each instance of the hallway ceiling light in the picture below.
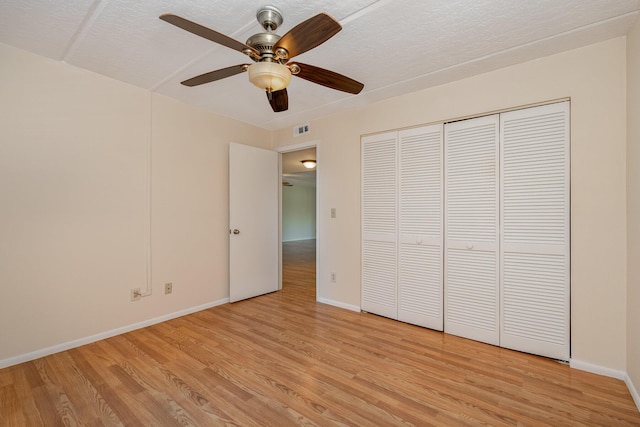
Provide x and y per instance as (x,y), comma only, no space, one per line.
(309,164)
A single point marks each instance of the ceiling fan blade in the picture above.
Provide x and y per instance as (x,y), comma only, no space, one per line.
(212,76)
(308,34)
(279,100)
(207,33)
(329,78)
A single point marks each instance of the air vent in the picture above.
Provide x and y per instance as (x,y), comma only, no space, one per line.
(301,129)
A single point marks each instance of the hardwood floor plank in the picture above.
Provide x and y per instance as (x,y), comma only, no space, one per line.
(284,359)
(81,392)
(11,412)
(17,402)
(125,413)
(45,406)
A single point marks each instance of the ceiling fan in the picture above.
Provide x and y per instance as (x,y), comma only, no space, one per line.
(270,53)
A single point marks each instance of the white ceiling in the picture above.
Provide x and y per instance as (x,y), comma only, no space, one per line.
(292,169)
(393,47)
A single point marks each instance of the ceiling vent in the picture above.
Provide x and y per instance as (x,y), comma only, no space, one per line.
(301,129)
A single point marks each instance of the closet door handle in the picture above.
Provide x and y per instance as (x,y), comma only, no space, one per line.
(469,245)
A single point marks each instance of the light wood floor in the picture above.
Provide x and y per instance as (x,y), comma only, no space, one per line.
(283,359)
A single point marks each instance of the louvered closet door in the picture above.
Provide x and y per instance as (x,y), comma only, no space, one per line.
(535,232)
(379,225)
(471,229)
(420,227)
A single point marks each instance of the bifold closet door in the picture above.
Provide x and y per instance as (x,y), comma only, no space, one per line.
(379,224)
(471,289)
(420,277)
(535,232)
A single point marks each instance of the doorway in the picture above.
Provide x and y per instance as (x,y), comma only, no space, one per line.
(298,229)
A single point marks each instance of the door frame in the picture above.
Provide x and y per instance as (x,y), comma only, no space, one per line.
(287,149)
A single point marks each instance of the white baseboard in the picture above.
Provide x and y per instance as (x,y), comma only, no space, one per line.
(597,369)
(608,372)
(339,304)
(633,390)
(4,363)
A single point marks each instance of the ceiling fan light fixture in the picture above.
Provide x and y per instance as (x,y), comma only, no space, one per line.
(269,76)
(309,164)
(270,52)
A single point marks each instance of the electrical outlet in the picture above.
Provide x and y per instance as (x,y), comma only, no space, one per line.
(136,294)
(333,277)
(168,288)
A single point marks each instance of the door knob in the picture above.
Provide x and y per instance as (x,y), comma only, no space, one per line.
(236,231)
(469,246)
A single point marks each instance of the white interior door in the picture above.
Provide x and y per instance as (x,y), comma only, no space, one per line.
(420,226)
(471,291)
(535,230)
(253,221)
(379,231)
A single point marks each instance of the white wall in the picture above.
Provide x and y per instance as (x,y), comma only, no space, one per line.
(74,150)
(594,78)
(633,207)
(298,211)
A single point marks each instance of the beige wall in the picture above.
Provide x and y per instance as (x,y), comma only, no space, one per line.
(594,78)
(74,203)
(633,206)
(190,189)
(73,185)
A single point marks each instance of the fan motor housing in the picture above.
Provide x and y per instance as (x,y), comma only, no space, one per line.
(263,42)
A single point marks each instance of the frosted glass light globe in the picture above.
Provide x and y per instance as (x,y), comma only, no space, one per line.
(270,76)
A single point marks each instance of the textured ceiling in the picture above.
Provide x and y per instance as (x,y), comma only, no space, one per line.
(393,47)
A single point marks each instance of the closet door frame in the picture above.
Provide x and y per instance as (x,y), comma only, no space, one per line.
(390,275)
